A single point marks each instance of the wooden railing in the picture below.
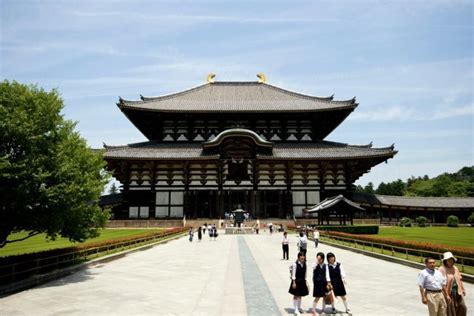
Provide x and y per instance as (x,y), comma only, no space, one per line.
(465,264)
(21,270)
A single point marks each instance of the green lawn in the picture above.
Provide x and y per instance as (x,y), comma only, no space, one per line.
(451,236)
(39,242)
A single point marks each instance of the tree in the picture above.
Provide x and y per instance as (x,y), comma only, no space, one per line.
(113,189)
(50,181)
(405,222)
(391,188)
(453,221)
(421,221)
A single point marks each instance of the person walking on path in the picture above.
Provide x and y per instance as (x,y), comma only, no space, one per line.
(209,231)
(338,279)
(316,237)
(214,231)
(432,284)
(321,283)
(454,286)
(285,246)
(302,242)
(298,286)
(191,234)
(199,233)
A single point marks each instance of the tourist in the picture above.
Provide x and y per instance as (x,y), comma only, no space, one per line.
(454,286)
(270,227)
(191,234)
(302,243)
(199,233)
(316,237)
(209,230)
(338,279)
(321,283)
(432,283)
(214,231)
(298,286)
(285,245)
(204,228)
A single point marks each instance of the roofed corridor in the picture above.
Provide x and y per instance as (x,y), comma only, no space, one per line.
(206,278)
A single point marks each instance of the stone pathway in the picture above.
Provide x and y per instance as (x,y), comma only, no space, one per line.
(235,275)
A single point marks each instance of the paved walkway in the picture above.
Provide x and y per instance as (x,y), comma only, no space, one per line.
(235,275)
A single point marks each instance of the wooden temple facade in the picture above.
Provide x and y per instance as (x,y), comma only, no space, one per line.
(224,145)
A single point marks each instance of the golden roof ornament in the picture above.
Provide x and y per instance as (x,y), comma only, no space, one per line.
(210,77)
(261,78)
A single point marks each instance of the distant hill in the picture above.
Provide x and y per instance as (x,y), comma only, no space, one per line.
(460,183)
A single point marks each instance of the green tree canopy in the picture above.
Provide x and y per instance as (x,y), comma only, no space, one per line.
(50,180)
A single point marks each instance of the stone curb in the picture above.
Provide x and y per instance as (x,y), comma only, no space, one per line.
(36,280)
(465,277)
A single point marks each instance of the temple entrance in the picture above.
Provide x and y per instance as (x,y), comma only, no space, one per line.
(234,199)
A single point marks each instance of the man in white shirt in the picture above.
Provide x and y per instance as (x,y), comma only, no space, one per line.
(432,284)
(316,237)
(302,243)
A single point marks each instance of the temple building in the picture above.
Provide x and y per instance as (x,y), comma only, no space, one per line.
(225,145)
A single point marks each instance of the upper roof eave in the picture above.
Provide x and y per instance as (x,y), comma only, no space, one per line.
(230,97)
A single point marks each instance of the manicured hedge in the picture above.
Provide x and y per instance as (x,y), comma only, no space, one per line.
(62,251)
(460,251)
(366,230)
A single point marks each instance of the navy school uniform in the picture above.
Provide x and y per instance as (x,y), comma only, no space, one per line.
(300,280)
(319,280)
(336,280)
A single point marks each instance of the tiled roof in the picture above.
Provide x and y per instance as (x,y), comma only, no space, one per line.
(406,201)
(152,150)
(237,97)
(333,201)
(110,199)
(313,150)
(325,149)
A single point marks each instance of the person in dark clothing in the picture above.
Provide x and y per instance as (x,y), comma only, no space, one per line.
(321,282)
(199,233)
(298,286)
(337,275)
(285,245)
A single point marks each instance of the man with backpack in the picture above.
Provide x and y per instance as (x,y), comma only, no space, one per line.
(302,243)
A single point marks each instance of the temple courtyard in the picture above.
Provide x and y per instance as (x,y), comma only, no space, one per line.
(234,275)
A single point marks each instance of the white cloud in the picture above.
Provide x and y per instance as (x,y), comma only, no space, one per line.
(405,113)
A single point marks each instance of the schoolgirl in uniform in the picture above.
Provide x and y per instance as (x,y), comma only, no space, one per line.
(337,275)
(321,282)
(298,286)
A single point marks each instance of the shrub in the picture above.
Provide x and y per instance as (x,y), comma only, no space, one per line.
(359,229)
(406,222)
(453,221)
(470,219)
(421,221)
(460,251)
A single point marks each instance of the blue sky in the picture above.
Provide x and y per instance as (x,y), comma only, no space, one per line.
(409,63)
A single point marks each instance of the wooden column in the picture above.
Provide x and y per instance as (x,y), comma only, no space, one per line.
(153,189)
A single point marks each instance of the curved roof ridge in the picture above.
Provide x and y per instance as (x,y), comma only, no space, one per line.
(369,145)
(165,96)
(424,197)
(237,132)
(144,99)
(306,96)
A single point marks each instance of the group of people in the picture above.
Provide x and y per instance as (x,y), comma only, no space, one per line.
(211,230)
(328,282)
(442,290)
